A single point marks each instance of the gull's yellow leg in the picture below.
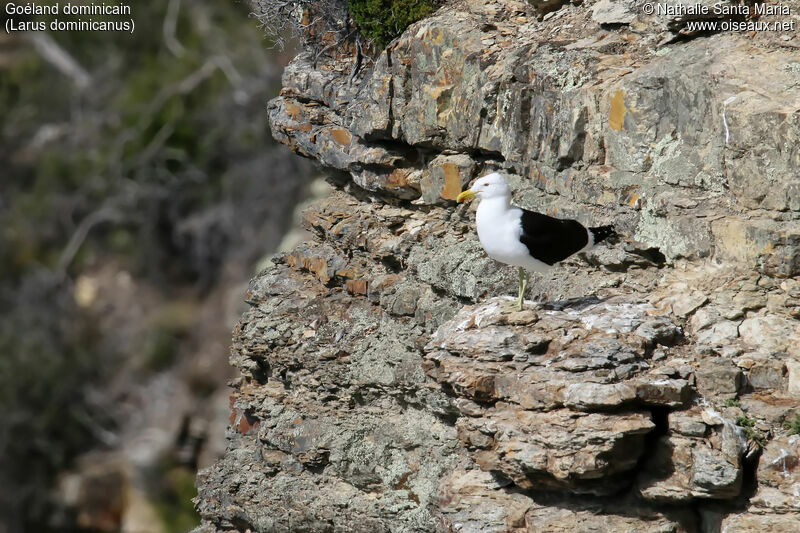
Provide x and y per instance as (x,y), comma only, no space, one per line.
(523,286)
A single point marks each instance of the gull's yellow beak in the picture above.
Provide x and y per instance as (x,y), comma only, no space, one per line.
(465,196)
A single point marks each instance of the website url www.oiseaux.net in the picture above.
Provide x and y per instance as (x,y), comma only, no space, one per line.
(705,13)
(739,25)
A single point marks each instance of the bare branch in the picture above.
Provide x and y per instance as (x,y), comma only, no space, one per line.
(54,54)
(170,23)
(155,144)
(305,19)
(105,214)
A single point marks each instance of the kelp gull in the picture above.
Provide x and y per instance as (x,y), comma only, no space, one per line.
(522,238)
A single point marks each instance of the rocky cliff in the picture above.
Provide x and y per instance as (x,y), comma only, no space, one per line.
(653,385)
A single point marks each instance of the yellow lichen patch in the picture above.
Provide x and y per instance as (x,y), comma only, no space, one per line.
(398,177)
(341,136)
(452,181)
(294,111)
(616,117)
(350,273)
(357,286)
(319,267)
(390,280)
(315,265)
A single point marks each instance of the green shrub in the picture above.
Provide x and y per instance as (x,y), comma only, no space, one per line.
(380,21)
(793,425)
(748,426)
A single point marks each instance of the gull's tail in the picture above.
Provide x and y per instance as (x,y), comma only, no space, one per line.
(601,233)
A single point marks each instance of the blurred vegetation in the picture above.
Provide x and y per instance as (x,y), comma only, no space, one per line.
(175,495)
(44,367)
(150,143)
(163,163)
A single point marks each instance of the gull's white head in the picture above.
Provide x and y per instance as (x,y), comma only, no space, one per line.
(489,186)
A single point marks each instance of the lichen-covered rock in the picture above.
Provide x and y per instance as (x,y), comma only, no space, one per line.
(609,12)
(760,523)
(387,382)
(582,452)
(704,465)
(775,507)
(779,476)
(459,83)
(474,502)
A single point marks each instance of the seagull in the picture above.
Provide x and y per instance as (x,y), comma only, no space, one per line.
(523,238)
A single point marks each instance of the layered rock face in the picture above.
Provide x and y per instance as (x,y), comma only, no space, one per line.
(654,385)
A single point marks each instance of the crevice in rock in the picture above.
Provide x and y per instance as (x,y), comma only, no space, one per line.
(410,153)
(358,398)
(262,371)
(681,37)
(393,263)
(337,178)
(481,120)
(317,468)
(483,155)
(575,151)
(241,523)
(577,303)
(660,417)
(390,94)
(442,293)
(525,110)
(661,420)
(652,254)
(750,475)
(343,181)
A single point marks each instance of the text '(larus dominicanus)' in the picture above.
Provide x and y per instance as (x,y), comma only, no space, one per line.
(528,240)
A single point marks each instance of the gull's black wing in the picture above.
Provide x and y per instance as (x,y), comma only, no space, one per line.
(549,239)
